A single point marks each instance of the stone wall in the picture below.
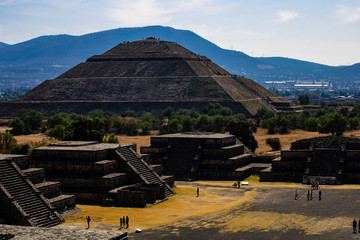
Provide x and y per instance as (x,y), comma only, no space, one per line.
(332,160)
(25,233)
(14,109)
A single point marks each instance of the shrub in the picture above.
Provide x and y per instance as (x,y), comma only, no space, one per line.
(274,143)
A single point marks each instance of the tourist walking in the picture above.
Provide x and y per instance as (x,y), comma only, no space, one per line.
(308,195)
(197,192)
(88,219)
(354,226)
(319,195)
(121,222)
(296,194)
(127,222)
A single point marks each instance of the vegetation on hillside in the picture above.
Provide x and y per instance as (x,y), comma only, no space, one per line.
(102,126)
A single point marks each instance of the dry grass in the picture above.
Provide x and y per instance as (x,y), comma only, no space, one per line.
(286,139)
(261,136)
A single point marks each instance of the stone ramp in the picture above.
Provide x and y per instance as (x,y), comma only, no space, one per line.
(30,204)
(143,169)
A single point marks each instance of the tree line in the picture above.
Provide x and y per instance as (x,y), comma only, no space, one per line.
(104,126)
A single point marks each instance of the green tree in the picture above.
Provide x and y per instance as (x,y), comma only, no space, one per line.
(311,124)
(120,126)
(7,143)
(344,111)
(216,109)
(174,126)
(270,124)
(131,128)
(18,126)
(111,139)
(244,131)
(333,123)
(187,125)
(85,129)
(203,123)
(27,123)
(57,132)
(168,112)
(274,143)
(219,124)
(353,123)
(304,99)
(264,113)
(145,127)
(57,119)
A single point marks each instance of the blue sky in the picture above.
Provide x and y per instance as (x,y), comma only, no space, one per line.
(322,31)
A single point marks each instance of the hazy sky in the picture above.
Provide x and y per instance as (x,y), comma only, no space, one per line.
(323,31)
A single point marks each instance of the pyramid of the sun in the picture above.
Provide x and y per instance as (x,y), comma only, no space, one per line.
(145,75)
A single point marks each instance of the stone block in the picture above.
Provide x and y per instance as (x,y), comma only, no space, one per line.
(35,175)
(49,189)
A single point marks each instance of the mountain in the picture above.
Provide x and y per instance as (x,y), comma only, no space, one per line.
(3,44)
(29,63)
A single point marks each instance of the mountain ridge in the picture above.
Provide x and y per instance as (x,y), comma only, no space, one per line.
(31,62)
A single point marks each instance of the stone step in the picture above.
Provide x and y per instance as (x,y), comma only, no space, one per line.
(62,202)
(49,189)
(36,175)
(24,194)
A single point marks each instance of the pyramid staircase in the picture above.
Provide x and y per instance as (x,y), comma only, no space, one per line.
(146,173)
(23,195)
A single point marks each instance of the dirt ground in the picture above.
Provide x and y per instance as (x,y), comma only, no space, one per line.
(255,211)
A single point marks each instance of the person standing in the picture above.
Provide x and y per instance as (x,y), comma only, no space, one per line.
(197,192)
(88,219)
(311,192)
(127,222)
(296,194)
(359,225)
(354,226)
(121,222)
(238,182)
(308,195)
(320,195)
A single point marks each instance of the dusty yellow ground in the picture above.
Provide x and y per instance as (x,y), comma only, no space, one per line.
(217,207)
(183,205)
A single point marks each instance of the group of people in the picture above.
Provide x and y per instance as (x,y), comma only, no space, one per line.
(237,185)
(354,226)
(309,194)
(124,221)
(315,185)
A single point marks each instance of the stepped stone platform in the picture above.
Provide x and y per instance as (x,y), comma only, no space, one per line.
(22,202)
(102,174)
(145,75)
(26,233)
(328,160)
(191,156)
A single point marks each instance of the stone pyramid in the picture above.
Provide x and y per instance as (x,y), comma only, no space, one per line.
(146,75)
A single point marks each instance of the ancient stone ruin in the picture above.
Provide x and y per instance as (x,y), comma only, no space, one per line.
(191,156)
(145,75)
(328,160)
(26,198)
(103,174)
